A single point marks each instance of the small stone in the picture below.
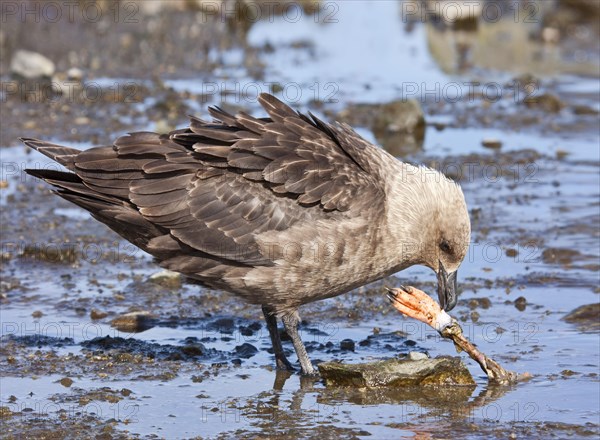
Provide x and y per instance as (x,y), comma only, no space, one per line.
(347,345)
(97,314)
(31,65)
(550,35)
(194,349)
(3,184)
(520,303)
(246,331)
(37,314)
(134,322)
(167,278)
(494,144)
(75,74)
(246,350)
(417,356)
(82,120)
(483,303)
(222,325)
(66,382)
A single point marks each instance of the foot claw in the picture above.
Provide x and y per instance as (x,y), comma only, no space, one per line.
(406,289)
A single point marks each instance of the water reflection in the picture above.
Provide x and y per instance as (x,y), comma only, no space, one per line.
(295,409)
(518,37)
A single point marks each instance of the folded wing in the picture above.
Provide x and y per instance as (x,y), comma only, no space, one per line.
(207,191)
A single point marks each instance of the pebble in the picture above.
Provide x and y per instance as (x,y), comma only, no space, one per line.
(246,350)
(520,303)
(31,65)
(347,344)
(166,278)
(494,144)
(133,322)
(82,120)
(75,74)
(195,349)
(417,356)
(66,382)
(484,303)
(97,314)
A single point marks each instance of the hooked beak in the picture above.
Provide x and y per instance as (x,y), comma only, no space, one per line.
(446,288)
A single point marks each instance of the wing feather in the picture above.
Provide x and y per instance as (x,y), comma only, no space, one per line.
(200,196)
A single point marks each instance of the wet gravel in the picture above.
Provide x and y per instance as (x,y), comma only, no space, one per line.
(97,343)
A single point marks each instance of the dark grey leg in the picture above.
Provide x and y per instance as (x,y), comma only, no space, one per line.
(280,359)
(290,322)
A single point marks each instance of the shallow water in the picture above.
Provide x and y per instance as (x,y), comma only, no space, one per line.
(535,215)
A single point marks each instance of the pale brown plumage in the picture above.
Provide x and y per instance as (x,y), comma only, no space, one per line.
(282,210)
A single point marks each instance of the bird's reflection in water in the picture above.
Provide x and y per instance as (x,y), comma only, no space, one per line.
(450,404)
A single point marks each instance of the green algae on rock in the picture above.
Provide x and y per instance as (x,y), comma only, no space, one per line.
(441,371)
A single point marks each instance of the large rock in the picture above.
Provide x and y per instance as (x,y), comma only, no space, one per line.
(402,116)
(31,65)
(398,125)
(397,373)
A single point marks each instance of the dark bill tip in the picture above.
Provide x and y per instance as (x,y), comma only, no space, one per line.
(447,291)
